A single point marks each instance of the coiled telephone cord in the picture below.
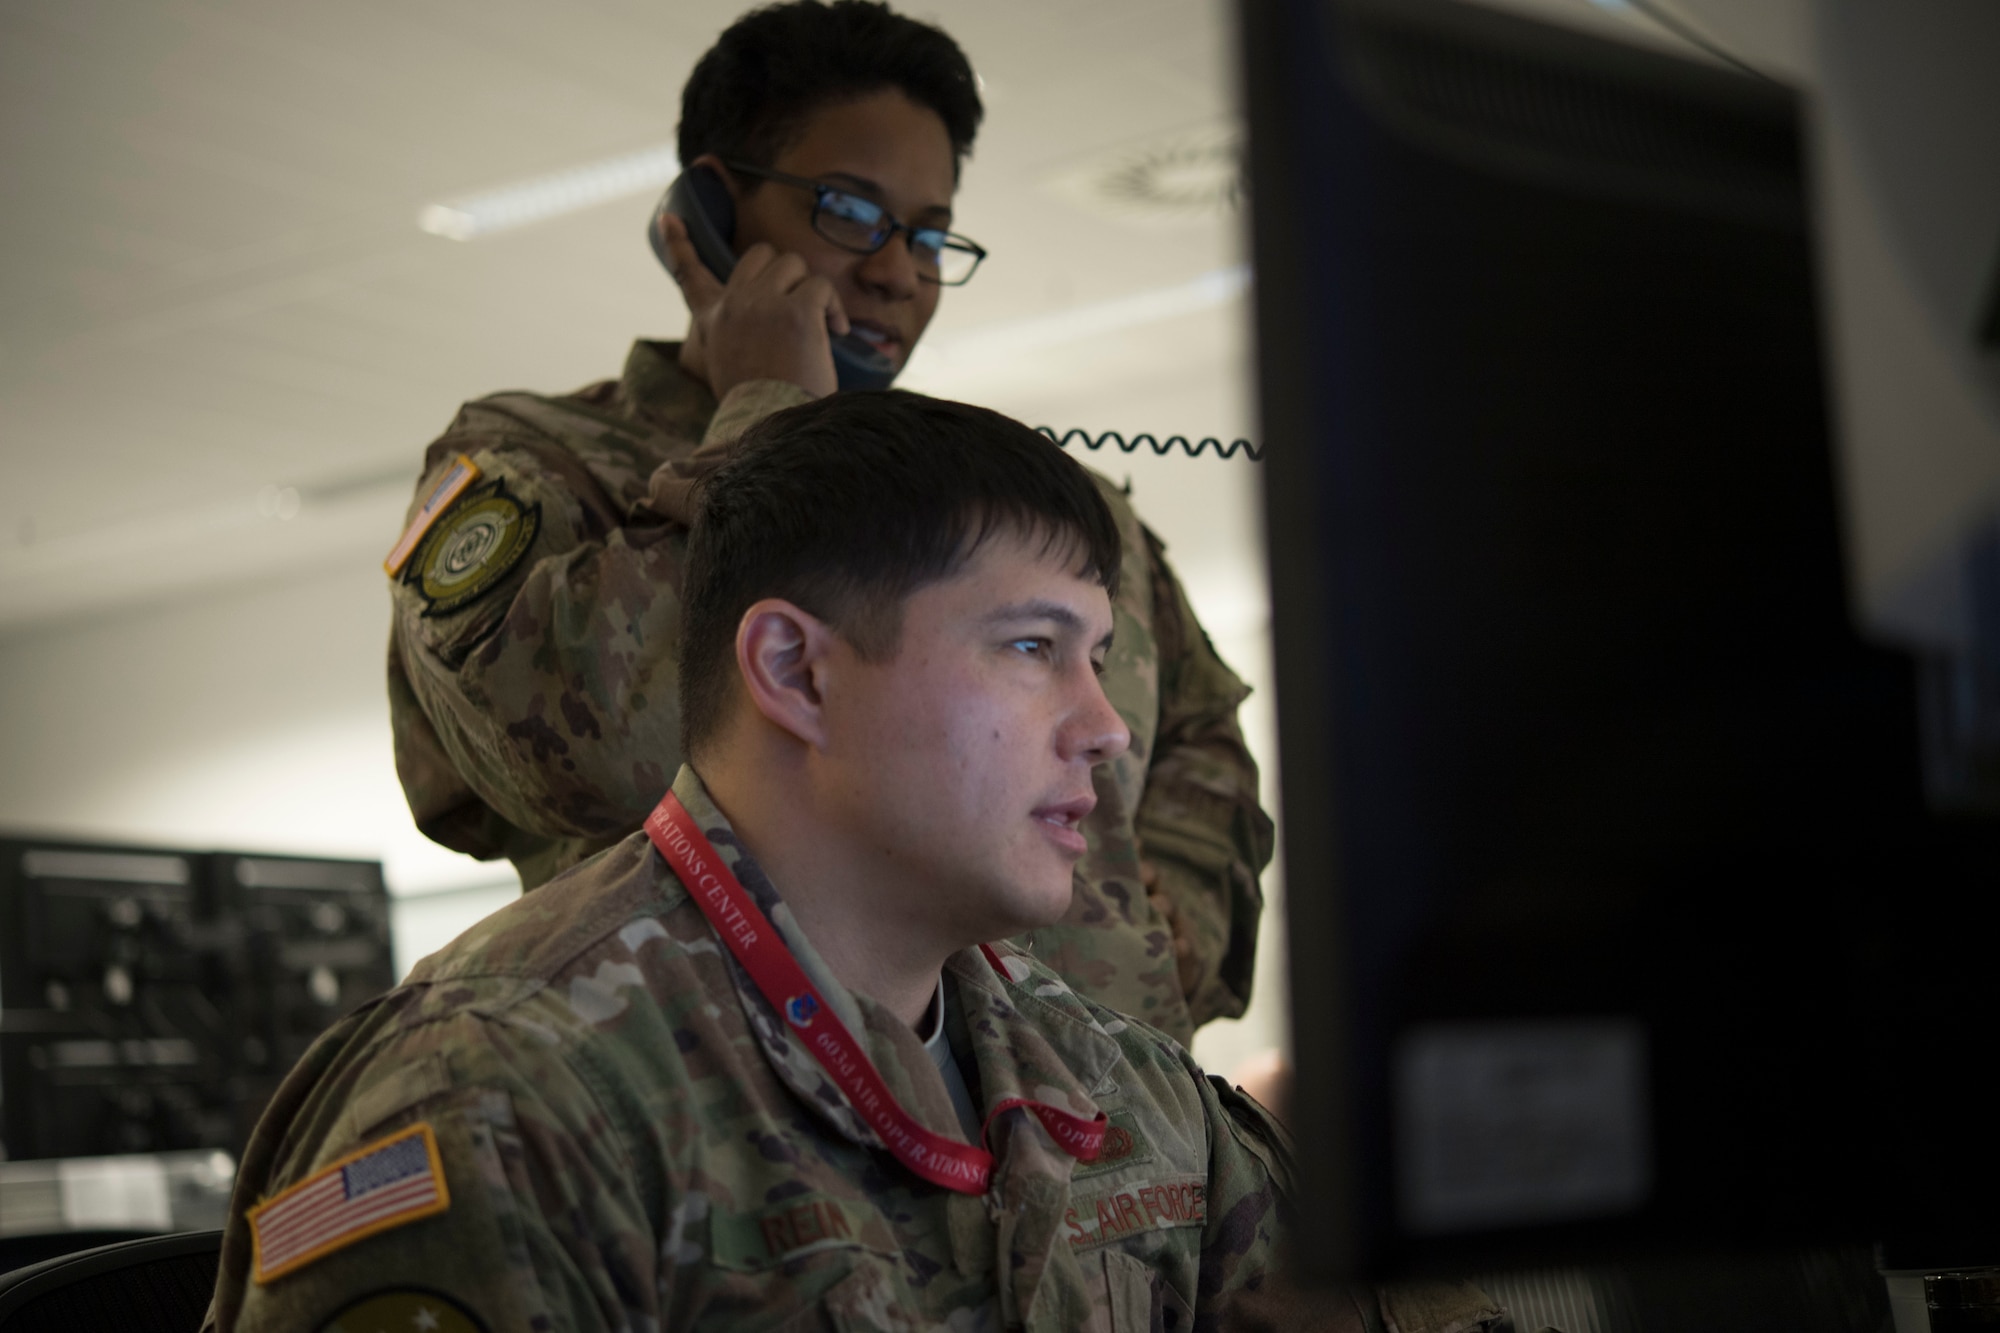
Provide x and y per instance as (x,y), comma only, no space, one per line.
(1193,448)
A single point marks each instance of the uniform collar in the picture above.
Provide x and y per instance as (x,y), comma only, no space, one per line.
(654,386)
(1030,1039)
(897,1053)
(1023,1044)
(1028,1044)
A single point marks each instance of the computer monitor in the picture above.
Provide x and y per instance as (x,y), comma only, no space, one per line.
(1619,921)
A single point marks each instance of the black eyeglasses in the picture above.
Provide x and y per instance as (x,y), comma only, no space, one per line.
(864,226)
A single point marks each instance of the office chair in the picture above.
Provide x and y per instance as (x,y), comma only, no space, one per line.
(157,1285)
(19,1251)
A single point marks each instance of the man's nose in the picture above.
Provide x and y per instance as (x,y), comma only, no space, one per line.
(1096,734)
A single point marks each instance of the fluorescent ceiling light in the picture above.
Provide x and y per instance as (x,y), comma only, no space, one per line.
(509,206)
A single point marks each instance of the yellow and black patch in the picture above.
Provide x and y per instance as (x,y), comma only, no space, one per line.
(472,548)
(404,1310)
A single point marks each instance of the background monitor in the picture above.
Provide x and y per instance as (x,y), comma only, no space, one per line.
(1620,923)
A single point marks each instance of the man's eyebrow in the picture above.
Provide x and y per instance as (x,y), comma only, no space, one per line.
(874,188)
(1039,609)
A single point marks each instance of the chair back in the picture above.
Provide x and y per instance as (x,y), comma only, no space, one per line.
(160,1284)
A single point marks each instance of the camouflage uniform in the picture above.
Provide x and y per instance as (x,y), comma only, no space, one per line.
(534,692)
(633,1139)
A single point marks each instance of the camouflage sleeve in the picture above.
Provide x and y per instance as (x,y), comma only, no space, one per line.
(1438,1307)
(533,683)
(542,1225)
(1253,1160)
(1243,1283)
(1204,837)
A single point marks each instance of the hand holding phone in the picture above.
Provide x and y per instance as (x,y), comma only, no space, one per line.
(770,321)
(761,316)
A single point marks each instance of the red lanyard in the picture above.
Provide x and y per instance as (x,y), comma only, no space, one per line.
(737,919)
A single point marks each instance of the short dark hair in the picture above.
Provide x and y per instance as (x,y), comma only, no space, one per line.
(751,93)
(847,505)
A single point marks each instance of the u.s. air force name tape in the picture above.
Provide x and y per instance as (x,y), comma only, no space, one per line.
(1135,1206)
(389,1183)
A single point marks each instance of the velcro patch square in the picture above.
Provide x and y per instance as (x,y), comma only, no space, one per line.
(386,1184)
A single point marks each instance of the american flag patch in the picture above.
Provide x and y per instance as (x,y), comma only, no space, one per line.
(462,473)
(392,1181)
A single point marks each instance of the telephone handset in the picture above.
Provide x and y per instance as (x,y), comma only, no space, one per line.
(702,202)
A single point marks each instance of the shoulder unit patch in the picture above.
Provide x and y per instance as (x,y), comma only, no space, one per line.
(473,548)
(386,1184)
(405,1310)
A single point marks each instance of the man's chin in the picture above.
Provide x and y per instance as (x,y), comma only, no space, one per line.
(1044,905)
(1027,904)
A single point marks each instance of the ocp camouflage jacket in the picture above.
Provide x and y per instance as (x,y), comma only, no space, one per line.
(532,684)
(632,1138)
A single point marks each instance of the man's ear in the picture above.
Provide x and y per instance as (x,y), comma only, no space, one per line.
(780,653)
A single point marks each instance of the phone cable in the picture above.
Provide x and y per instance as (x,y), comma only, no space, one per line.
(1193,448)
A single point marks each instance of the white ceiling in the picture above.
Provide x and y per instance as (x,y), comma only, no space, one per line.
(212,284)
